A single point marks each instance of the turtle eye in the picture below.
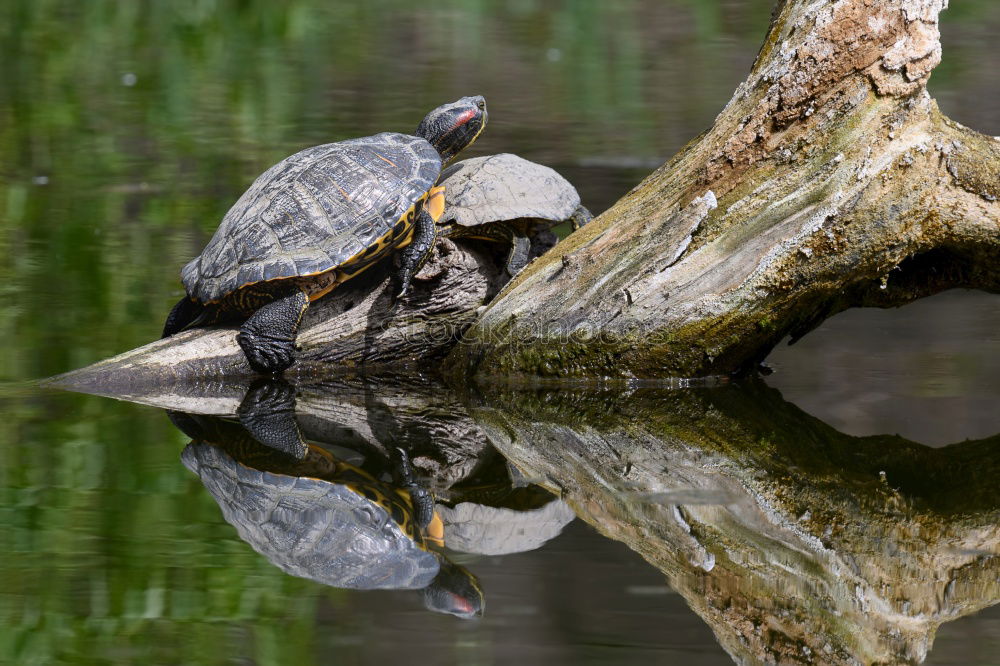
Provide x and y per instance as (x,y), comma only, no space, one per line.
(481,104)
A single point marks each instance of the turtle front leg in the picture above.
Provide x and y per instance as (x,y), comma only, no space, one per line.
(423,501)
(415,254)
(268,336)
(520,250)
(580,217)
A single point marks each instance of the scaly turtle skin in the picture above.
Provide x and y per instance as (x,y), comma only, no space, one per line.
(317,219)
(321,518)
(507,199)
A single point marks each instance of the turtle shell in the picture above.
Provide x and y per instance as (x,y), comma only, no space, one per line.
(318,209)
(505,187)
(311,528)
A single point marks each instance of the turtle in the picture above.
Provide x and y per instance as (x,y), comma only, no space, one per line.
(508,199)
(470,527)
(316,219)
(322,518)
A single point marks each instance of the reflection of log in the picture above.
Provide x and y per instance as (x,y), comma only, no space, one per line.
(796,543)
(831,180)
(373,413)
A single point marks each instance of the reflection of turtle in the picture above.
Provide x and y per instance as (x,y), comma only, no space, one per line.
(316,219)
(493,530)
(498,512)
(505,198)
(324,519)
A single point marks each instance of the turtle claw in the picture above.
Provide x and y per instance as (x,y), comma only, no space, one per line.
(265,354)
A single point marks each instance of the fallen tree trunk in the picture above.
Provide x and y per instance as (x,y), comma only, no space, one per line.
(831,180)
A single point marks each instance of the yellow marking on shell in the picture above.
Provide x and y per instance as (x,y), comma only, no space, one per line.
(434,532)
(319,286)
(320,451)
(343,192)
(385,159)
(435,203)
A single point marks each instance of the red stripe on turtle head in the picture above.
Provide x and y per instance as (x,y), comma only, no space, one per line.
(464,118)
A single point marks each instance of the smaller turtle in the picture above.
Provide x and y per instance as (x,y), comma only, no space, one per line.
(507,199)
(322,518)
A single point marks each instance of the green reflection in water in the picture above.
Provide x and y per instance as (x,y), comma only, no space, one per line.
(112,549)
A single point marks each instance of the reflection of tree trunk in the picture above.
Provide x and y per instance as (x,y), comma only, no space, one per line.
(790,539)
(796,543)
(830,180)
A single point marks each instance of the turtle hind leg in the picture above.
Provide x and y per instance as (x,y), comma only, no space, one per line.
(415,254)
(267,412)
(186,313)
(268,336)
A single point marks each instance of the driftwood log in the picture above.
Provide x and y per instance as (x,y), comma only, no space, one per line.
(830,180)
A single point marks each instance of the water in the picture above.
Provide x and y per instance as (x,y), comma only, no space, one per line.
(127,130)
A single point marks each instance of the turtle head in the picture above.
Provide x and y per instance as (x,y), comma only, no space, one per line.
(455,590)
(453,126)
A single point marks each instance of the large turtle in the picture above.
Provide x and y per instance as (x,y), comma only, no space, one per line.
(316,219)
(507,199)
(322,518)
